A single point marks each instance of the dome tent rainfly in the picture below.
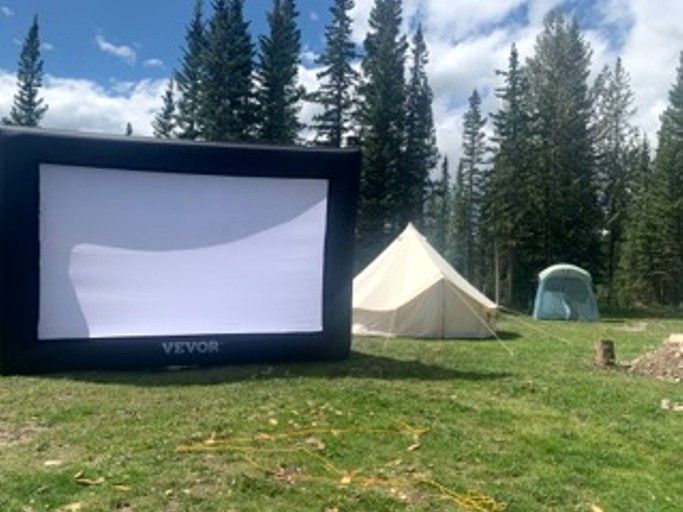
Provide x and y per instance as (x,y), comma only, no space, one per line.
(411,290)
(565,292)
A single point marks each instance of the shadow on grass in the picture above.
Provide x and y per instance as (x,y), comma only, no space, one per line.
(359,365)
(508,335)
(661,312)
(500,336)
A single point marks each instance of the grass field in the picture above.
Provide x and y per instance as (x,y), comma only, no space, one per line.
(520,424)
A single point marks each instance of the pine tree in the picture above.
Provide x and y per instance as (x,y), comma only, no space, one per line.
(242,93)
(381,118)
(642,168)
(473,175)
(227,63)
(164,122)
(564,168)
(338,78)
(279,94)
(28,108)
(188,78)
(615,143)
(421,154)
(657,239)
(510,217)
(633,280)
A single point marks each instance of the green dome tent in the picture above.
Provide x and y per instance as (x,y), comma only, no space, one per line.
(565,292)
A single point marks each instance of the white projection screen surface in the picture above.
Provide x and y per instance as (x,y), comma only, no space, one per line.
(134,253)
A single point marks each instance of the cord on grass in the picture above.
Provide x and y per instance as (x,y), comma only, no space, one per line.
(253,449)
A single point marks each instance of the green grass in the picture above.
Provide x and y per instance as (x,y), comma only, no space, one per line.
(525,421)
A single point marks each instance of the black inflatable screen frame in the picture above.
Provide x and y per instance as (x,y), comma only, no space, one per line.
(22,151)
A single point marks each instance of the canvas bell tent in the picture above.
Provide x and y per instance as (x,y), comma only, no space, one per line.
(565,292)
(411,290)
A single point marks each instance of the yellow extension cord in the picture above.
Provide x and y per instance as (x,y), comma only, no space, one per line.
(250,446)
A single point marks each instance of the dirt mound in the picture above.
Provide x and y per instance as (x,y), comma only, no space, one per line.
(665,362)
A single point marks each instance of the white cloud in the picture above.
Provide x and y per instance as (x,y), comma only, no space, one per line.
(469,39)
(360,14)
(6,11)
(8,83)
(308,57)
(153,63)
(650,55)
(83,105)
(124,52)
(447,19)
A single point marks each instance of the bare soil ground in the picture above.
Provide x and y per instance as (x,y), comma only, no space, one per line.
(11,434)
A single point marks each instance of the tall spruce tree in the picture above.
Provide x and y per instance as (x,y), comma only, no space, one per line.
(616,147)
(564,168)
(278,91)
(338,78)
(658,242)
(164,122)
(510,217)
(28,108)
(188,78)
(381,118)
(227,101)
(642,168)
(472,169)
(634,274)
(421,154)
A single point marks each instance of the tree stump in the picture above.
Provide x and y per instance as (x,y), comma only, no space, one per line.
(605,355)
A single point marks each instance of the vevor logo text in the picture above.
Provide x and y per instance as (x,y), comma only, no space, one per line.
(178,348)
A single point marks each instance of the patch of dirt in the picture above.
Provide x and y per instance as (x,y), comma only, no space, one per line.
(13,434)
(665,362)
(633,327)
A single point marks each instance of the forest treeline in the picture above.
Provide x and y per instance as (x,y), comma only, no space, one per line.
(558,173)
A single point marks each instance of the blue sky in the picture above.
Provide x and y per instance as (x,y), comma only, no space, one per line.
(107,62)
(104,40)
